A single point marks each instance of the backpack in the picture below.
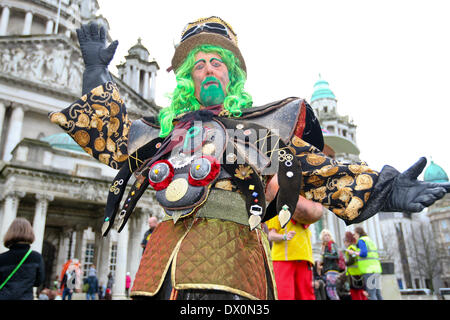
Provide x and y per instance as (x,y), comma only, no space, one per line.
(341,262)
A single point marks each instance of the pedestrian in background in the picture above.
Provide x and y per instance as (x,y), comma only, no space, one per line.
(319,282)
(292,258)
(330,258)
(101,291)
(109,285)
(92,283)
(44,294)
(353,272)
(21,268)
(127,284)
(66,287)
(368,263)
(152,224)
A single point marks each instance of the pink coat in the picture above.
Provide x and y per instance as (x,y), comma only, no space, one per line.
(127,282)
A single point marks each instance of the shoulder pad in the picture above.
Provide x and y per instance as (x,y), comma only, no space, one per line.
(141,132)
(282,116)
(290,116)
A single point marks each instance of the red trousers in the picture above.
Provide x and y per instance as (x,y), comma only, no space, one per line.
(294,280)
(357,294)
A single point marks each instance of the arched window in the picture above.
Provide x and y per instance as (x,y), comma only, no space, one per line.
(330,129)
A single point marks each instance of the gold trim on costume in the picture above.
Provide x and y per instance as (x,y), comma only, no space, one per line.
(166,269)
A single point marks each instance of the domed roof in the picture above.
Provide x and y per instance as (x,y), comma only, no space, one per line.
(139,50)
(434,173)
(322,90)
(62,141)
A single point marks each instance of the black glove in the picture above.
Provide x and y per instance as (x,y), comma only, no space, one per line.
(411,195)
(96,55)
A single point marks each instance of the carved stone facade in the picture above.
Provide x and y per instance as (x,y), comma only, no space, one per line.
(51,61)
(44,176)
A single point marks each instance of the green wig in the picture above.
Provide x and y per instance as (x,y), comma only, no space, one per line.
(183,99)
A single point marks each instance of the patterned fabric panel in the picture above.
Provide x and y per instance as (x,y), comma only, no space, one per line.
(343,188)
(157,255)
(222,255)
(99,123)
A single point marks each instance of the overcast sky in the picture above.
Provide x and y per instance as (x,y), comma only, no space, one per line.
(387,62)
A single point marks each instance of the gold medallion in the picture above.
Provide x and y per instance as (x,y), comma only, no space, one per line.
(176,189)
(82,138)
(99,144)
(296,141)
(58,118)
(82,121)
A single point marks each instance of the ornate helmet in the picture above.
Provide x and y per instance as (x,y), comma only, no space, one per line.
(213,31)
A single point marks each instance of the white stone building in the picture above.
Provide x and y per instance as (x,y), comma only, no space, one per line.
(44,176)
(419,244)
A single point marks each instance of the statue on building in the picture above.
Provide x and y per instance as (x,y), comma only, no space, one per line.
(210,157)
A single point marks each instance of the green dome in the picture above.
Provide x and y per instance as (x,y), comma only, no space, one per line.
(62,141)
(322,90)
(435,173)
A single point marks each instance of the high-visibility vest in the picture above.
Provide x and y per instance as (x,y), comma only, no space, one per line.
(352,269)
(371,263)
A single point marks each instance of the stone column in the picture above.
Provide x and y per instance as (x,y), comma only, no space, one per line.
(377,226)
(152,86)
(330,222)
(14,131)
(103,259)
(127,77)
(121,266)
(2,117)
(4,20)
(62,250)
(136,79)
(28,23)
(371,230)
(79,243)
(49,27)
(134,248)
(10,207)
(40,216)
(146,85)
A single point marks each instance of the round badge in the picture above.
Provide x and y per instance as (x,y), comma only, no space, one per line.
(200,168)
(231,157)
(176,189)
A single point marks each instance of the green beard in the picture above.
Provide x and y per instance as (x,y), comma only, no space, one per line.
(213,95)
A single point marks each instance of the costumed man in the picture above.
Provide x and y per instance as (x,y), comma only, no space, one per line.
(209,157)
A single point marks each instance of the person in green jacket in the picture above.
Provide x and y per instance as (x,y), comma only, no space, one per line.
(368,263)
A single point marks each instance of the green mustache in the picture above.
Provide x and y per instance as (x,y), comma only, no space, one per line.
(213,94)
